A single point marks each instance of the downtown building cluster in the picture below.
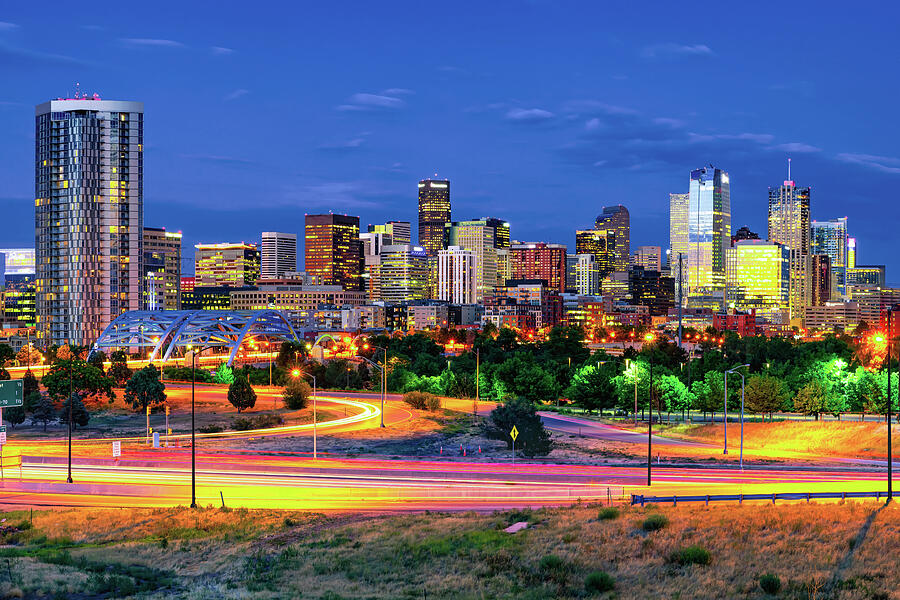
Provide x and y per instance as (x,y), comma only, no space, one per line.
(95,258)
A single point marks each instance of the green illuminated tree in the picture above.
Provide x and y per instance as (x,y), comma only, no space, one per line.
(241,394)
(145,389)
(765,394)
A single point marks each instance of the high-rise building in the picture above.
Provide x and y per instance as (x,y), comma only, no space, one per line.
(225,265)
(479,237)
(830,237)
(501,231)
(334,251)
(648,287)
(851,252)
(400,232)
(17,289)
(539,260)
(504,267)
(601,244)
(434,213)
(404,273)
(278,254)
(709,234)
(679,240)
(587,275)
(743,233)
(819,279)
(456,280)
(788,224)
(648,257)
(617,219)
(88,215)
(759,279)
(162,269)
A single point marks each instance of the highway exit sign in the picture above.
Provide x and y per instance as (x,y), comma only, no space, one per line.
(11,393)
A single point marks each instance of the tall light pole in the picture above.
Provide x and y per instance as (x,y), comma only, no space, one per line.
(649,338)
(725,419)
(193,429)
(71,364)
(890,456)
(299,373)
(383,379)
(735,370)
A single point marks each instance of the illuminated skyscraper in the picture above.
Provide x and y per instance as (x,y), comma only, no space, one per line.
(162,269)
(601,243)
(225,265)
(759,279)
(679,240)
(851,253)
(434,213)
(400,232)
(456,280)
(617,219)
(88,215)
(404,273)
(648,257)
(709,234)
(788,225)
(278,254)
(587,275)
(333,250)
(819,279)
(830,237)
(479,237)
(501,231)
(540,261)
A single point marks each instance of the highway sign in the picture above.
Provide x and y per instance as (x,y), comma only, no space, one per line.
(2,435)
(117,449)
(11,393)
(514,433)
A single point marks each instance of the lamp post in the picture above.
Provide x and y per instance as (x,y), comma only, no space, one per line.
(193,429)
(71,364)
(735,370)
(298,373)
(649,338)
(890,457)
(383,381)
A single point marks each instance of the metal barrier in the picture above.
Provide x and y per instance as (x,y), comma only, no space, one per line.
(739,498)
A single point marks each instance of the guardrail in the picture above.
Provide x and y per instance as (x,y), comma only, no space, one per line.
(739,498)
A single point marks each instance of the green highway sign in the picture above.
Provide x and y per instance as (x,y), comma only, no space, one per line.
(11,393)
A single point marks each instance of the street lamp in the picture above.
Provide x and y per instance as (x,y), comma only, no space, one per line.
(890,456)
(735,370)
(193,429)
(383,378)
(71,364)
(299,373)
(649,338)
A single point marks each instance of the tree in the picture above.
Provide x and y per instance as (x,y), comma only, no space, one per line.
(6,354)
(29,355)
(533,439)
(44,411)
(241,394)
(97,359)
(224,374)
(593,388)
(118,368)
(64,353)
(145,389)
(810,400)
(709,393)
(4,374)
(29,383)
(290,354)
(765,394)
(15,415)
(85,379)
(671,394)
(80,415)
(525,378)
(31,400)
(296,393)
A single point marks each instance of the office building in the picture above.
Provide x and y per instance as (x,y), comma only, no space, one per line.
(743,233)
(679,241)
(225,264)
(162,269)
(539,260)
(648,257)
(479,237)
(648,287)
(88,215)
(830,237)
(617,219)
(587,275)
(292,297)
(404,273)
(500,229)
(278,254)
(434,213)
(851,253)
(400,232)
(601,244)
(334,251)
(788,224)
(865,275)
(819,279)
(504,267)
(456,275)
(210,297)
(709,234)
(758,277)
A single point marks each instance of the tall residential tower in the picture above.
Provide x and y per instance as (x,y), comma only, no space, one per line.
(434,212)
(88,190)
(617,219)
(278,254)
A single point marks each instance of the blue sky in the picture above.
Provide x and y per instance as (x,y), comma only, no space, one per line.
(539,112)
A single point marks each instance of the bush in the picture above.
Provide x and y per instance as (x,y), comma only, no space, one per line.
(296,394)
(692,555)
(770,583)
(654,523)
(533,440)
(608,513)
(257,422)
(598,581)
(211,429)
(184,374)
(551,562)
(422,400)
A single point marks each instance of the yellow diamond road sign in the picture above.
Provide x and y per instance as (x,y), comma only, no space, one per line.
(514,433)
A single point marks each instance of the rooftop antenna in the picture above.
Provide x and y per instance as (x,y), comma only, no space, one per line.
(789,169)
(77,89)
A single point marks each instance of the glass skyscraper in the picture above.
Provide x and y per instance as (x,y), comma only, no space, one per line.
(788,224)
(709,234)
(830,237)
(333,250)
(88,215)
(679,241)
(759,279)
(434,213)
(616,218)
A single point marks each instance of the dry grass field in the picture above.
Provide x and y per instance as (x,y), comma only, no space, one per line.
(840,551)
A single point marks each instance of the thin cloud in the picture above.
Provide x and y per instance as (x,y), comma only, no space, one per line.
(219,159)
(885,164)
(396,92)
(370,102)
(14,55)
(236,94)
(5,26)
(351,144)
(529,115)
(221,51)
(151,42)
(796,147)
(672,50)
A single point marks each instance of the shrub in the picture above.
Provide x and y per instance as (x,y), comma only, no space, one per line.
(598,581)
(296,393)
(551,562)
(211,429)
(422,400)
(692,555)
(257,422)
(770,583)
(654,522)
(608,513)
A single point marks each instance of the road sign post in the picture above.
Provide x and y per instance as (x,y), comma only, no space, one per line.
(117,449)
(2,435)
(514,434)
(168,431)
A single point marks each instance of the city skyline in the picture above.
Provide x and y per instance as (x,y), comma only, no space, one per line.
(356,147)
